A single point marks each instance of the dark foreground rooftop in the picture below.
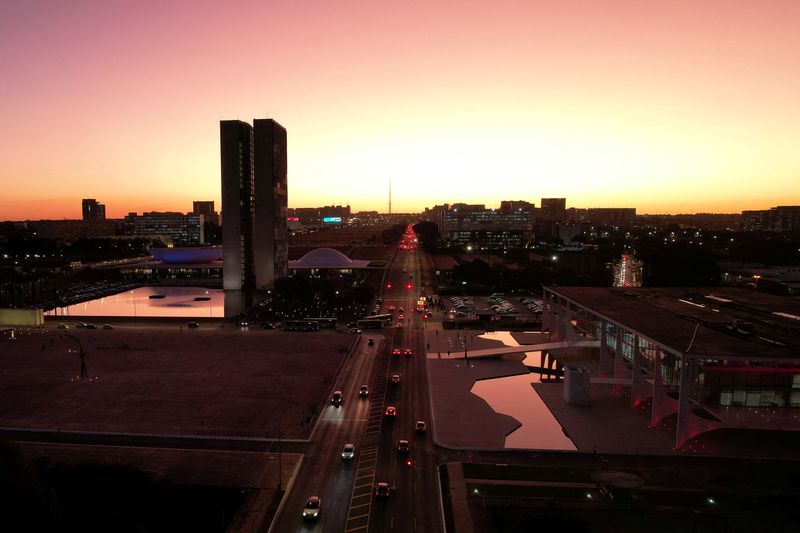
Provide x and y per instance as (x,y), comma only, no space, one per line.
(732,322)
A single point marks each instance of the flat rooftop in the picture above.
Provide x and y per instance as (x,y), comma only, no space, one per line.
(733,322)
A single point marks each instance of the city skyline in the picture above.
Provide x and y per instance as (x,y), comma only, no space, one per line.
(670,109)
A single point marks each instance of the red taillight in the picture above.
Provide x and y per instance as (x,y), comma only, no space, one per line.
(408,286)
(389,285)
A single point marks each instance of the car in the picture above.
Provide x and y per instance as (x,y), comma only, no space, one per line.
(363,391)
(194,325)
(382,490)
(401,317)
(62,326)
(391,308)
(355,331)
(91,326)
(395,351)
(243,323)
(403,446)
(390,412)
(267,325)
(401,309)
(348,452)
(371,342)
(337,398)
(313,508)
(395,378)
(408,352)
(420,426)
(80,324)
(108,326)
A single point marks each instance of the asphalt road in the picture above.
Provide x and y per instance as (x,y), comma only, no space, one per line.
(347,488)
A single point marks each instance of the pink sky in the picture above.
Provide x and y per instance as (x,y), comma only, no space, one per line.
(677,106)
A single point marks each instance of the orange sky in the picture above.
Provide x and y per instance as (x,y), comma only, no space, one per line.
(678,106)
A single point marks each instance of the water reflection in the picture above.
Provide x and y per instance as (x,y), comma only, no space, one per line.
(189,302)
(514,396)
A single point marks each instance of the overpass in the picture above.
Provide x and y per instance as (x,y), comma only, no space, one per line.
(506,350)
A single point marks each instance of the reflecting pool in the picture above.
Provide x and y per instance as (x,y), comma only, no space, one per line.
(188,302)
(514,396)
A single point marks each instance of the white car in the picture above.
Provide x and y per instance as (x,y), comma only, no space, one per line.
(348,452)
(313,508)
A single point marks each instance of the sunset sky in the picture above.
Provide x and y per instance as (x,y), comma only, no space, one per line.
(669,107)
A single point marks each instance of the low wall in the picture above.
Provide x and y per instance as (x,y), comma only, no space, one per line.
(21,317)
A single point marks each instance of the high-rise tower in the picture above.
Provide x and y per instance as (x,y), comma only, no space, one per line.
(254,203)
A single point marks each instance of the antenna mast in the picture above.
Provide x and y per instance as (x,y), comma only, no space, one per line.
(390,196)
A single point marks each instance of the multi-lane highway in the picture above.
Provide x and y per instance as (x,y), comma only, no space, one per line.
(347,488)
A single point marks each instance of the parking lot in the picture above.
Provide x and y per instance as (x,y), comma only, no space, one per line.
(497,304)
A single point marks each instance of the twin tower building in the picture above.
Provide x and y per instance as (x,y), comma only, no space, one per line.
(254,203)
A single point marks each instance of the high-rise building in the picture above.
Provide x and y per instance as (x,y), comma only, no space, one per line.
(553,209)
(92,210)
(205,208)
(254,200)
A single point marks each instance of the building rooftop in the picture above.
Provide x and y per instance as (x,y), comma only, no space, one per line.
(327,258)
(733,322)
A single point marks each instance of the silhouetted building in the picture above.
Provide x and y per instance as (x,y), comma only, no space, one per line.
(465,224)
(92,210)
(254,201)
(781,218)
(553,209)
(205,208)
(604,216)
(183,229)
(320,216)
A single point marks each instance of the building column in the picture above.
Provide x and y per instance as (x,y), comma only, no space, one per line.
(602,363)
(620,370)
(639,388)
(663,405)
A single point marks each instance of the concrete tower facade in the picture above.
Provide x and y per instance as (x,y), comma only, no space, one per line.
(254,203)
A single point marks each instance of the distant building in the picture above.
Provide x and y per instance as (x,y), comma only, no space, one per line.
(205,208)
(553,209)
(604,216)
(254,201)
(70,230)
(314,217)
(92,210)
(183,229)
(475,225)
(778,219)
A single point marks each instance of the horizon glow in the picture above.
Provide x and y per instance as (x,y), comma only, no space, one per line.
(673,107)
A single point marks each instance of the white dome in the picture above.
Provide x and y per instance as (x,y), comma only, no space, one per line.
(325,258)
